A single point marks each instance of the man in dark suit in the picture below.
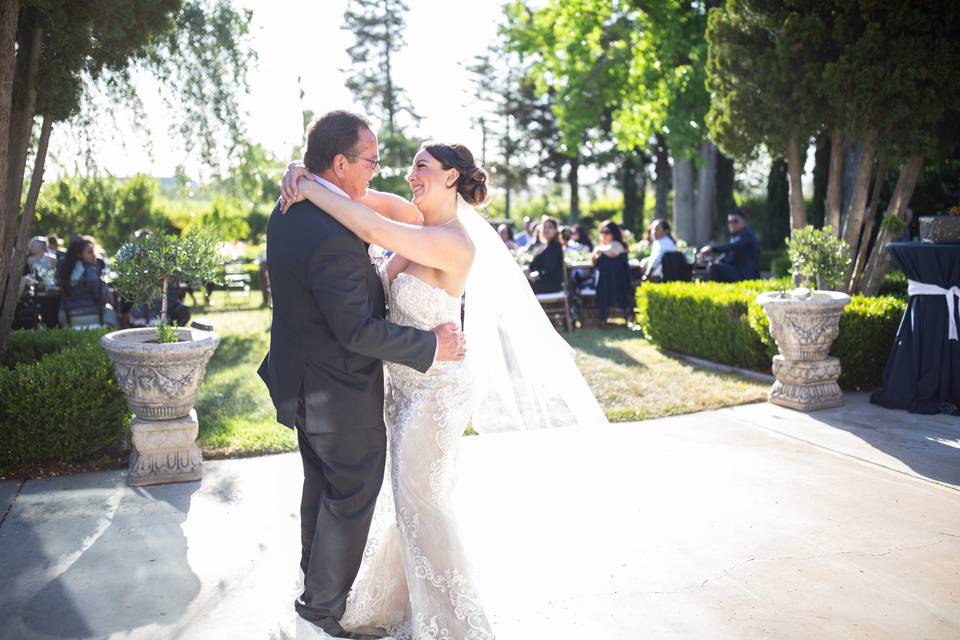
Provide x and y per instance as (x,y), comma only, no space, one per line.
(325,370)
(740,257)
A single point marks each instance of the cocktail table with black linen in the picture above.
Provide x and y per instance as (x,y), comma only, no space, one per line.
(922,373)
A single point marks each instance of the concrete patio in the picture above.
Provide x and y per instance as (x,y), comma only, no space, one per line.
(742,523)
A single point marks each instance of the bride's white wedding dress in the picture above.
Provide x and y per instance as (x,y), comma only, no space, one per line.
(414,580)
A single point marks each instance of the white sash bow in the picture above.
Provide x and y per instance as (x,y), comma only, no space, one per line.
(915,288)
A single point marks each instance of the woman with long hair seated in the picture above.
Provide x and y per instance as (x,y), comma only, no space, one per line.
(546,268)
(612,263)
(81,287)
(661,242)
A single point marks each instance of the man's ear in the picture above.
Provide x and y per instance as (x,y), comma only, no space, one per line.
(338,163)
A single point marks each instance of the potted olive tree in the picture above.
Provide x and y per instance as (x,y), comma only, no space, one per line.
(160,368)
(804,322)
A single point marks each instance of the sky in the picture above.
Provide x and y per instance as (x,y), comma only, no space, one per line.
(303,39)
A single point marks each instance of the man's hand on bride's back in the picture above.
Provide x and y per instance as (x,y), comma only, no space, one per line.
(289,187)
(451,344)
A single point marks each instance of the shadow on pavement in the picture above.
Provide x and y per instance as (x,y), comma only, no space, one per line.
(928,445)
(130,571)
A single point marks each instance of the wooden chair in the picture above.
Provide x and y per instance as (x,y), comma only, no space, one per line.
(557,304)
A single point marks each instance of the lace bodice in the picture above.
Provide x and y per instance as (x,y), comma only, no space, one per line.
(415,303)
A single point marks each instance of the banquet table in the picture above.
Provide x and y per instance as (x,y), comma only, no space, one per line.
(922,373)
(584,269)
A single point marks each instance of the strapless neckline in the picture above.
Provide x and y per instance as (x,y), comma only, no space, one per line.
(424,283)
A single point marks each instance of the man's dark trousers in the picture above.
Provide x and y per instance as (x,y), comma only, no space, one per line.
(342,477)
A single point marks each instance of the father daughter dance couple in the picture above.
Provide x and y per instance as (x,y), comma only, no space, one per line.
(381,557)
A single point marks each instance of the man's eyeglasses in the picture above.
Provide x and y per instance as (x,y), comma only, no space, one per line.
(373,164)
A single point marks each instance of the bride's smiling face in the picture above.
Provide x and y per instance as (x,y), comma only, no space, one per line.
(430,182)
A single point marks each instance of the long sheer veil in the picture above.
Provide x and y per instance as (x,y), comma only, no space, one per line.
(524,371)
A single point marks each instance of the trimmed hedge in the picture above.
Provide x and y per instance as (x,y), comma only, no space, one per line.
(868,328)
(723,323)
(30,346)
(705,319)
(63,407)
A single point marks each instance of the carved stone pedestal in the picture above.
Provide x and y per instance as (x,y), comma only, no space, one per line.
(161,382)
(806,385)
(165,451)
(804,325)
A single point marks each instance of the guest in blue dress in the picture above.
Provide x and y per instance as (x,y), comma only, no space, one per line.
(81,285)
(612,265)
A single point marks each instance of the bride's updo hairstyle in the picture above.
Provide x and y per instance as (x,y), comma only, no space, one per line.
(472,183)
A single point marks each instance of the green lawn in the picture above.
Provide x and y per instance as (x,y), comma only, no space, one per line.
(632,379)
(233,406)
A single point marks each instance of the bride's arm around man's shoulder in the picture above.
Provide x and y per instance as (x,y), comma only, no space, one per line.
(386,204)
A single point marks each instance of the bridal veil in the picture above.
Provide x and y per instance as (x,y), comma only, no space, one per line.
(525,373)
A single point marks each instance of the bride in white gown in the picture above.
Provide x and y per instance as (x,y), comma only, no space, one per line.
(414,581)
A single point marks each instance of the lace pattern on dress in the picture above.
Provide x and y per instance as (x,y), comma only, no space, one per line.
(414,580)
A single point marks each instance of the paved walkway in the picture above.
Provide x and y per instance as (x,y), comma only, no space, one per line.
(752,522)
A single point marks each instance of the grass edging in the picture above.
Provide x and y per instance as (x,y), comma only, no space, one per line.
(719,367)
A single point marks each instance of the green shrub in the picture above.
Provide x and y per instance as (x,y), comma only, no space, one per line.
(63,407)
(817,258)
(29,346)
(705,319)
(894,284)
(868,328)
(723,323)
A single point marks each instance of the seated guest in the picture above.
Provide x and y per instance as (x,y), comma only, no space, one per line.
(740,256)
(526,235)
(38,258)
(534,245)
(80,282)
(612,262)
(98,252)
(506,234)
(54,249)
(546,268)
(661,241)
(580,240)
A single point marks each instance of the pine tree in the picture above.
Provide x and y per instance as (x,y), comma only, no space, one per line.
(378,28)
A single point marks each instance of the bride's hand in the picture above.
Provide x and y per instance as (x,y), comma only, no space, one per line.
(289,186)
(301,186)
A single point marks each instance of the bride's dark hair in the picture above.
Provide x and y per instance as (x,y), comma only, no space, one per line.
(472,183)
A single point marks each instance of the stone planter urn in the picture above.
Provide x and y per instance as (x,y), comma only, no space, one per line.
(160,382)
(804,324)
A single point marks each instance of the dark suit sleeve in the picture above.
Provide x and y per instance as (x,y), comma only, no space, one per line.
(338,282)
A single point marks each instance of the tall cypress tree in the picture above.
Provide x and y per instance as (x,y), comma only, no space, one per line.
(377,26)
(777,226)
